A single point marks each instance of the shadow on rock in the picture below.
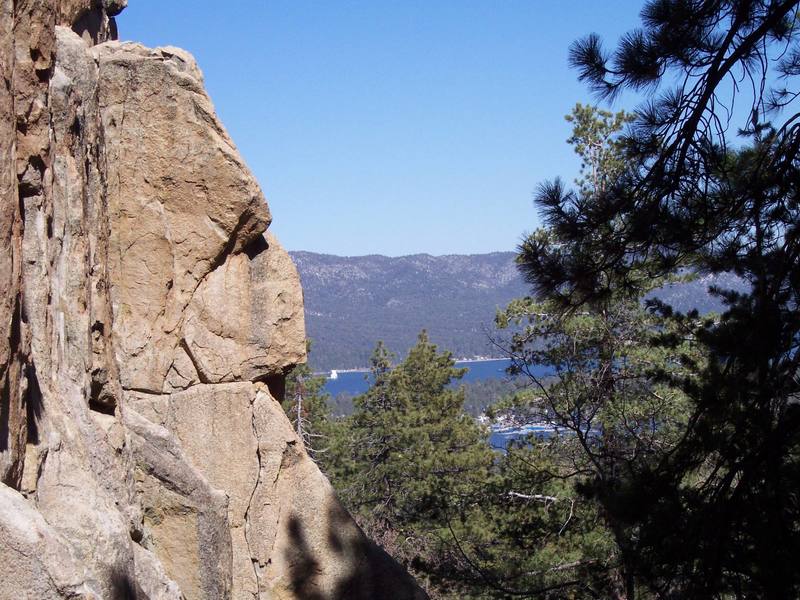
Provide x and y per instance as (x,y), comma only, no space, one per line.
(372,573)
(122,588)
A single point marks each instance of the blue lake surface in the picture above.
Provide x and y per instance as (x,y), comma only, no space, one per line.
(357,382)
(500,438)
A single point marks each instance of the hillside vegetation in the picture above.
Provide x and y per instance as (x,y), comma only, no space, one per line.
(352,302)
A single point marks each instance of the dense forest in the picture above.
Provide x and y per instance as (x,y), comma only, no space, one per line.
(676,467)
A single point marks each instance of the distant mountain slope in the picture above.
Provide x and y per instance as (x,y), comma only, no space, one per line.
(695,294)
(352,302)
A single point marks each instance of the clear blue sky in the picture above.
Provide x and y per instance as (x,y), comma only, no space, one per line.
(391,126)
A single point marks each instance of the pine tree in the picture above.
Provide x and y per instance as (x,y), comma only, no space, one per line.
(416,460)
(694,197)
(370,442)
(564,498)
(307,406)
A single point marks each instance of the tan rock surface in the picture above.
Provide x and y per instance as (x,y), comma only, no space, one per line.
(145,312)
(37,562)
(180,200)
(290,536)
(245,320)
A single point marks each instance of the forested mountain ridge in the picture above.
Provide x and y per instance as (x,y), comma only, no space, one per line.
(352,302)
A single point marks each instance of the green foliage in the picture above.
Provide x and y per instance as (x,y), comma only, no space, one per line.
(307,406)
(417,472)
(413,459)
(612,398)
(594,138)
(618,417)
(412,434)
(691,197)
(480,395)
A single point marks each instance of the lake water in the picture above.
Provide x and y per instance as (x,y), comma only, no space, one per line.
(500,438)
(358,382)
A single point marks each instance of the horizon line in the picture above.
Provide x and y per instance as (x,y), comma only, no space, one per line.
(428,254)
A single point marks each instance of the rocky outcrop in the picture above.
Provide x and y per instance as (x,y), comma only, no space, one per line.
(149,319)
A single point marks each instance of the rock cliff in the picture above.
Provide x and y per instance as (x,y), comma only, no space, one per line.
(148,321)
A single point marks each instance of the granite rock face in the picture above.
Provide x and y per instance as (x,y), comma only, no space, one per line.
(148,321)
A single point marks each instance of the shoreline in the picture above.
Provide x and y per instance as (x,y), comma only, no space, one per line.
(457,361)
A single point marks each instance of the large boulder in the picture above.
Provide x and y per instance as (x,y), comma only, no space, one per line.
(149,321)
